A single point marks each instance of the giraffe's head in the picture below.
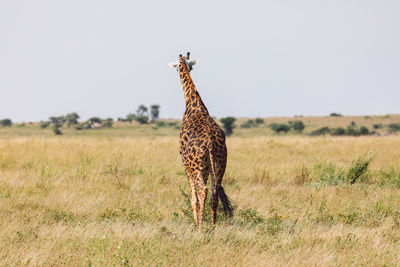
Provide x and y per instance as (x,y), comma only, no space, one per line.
(184,61)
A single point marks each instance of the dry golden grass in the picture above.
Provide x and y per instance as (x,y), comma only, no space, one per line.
(92,200)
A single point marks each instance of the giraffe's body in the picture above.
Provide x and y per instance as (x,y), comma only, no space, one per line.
(203,149)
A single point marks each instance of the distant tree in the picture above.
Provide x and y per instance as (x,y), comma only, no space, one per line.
(130,117)
(297,125)
(142,119)
(60,120)
(72,118)
(334,114)
(6,123)
(279,127)
(154,112)
(44,124)
(95,120)
(228,125)
(142,110)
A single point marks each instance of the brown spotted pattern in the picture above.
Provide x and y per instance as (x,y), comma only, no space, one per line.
(202,147)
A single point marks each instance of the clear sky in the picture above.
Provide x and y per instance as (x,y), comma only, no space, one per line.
(256,58)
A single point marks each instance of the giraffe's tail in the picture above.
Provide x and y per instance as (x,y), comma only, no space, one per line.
(225,200)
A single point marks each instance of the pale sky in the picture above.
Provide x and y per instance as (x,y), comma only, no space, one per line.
(256,58)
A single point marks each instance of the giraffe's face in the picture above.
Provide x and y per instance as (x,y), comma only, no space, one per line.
(183,60)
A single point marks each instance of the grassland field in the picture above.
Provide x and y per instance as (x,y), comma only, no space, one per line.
(118,197)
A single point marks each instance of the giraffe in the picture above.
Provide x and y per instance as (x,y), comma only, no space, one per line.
(202,148)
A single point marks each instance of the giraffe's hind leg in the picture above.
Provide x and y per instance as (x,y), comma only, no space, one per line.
(194,200)
(214,204)
(202,193)
(218,170)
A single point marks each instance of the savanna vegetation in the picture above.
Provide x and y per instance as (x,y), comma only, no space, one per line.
(119,195)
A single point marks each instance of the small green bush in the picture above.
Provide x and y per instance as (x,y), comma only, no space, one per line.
(142,119)
(57,129)
(363,130)
(279,127)
(248,124)
(338,131)
(297,125)
(44,124)
(320,131)
(352,131)
(108,122)
(389,176)
(248,217)
(259,121)
(334,114)
(6,123)
(160,123)
(394,127)
(358,170)
(377,126)
(330,175)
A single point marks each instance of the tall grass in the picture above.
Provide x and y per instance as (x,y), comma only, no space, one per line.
(92,200)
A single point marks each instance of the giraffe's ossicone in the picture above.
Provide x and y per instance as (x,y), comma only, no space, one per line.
(202,148)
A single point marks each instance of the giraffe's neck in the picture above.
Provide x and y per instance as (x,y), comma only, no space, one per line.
(193,101)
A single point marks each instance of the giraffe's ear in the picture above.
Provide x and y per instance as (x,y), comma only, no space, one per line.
(192,62)
(173,64)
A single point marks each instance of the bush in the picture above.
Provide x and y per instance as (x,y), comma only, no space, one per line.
(394,127)
(352,131)
(79,127)
(358,169)
(160,123)
(259,121)
(228,125)
(338,131)
(333,175)
(108,122)
(6,123)
(57,129)
(297,125)
(248,217)
(60,120)
(142,119)
(364,130)
(334,114)
(44,124)
(72,118)
(320,131)
(248,124)
(130,117)
(279,127)
(95,120)
(377,126)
